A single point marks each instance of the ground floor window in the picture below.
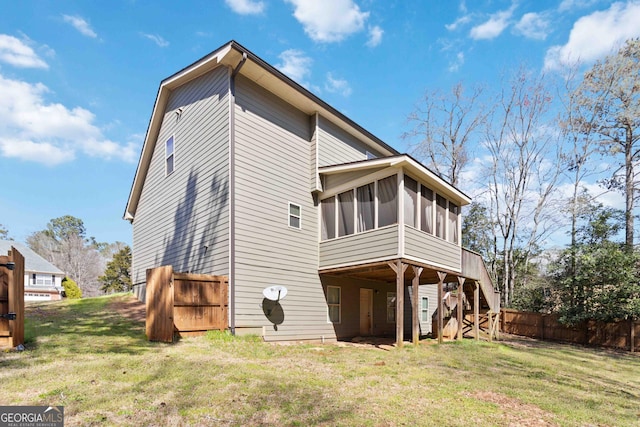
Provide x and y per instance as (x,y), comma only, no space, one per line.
(424,309)
(391,307)
(334,298)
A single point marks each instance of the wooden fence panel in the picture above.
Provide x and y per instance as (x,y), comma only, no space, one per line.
(5,334)
(16,297)
(159,304)
(620,335)
(200,302)
(12,299)
(184,303)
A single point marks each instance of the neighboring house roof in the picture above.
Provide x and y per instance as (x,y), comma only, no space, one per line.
(244,62)
(32,261)
(408,163)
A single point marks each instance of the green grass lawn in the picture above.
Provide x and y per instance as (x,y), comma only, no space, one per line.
(98,364)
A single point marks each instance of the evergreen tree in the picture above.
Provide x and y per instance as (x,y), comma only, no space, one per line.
(117,276)
(598,277)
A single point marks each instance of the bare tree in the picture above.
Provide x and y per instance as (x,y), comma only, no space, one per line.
(522,172)
(443,127)
(63,243)
(610,94)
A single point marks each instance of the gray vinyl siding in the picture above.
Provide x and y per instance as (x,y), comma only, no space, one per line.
(349,326)
(332,181)
(381,243)
(182,219)
(431,249)
(429,291)
(272,166)
(336,146)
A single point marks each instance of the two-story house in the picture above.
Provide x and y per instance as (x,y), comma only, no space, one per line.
(42,280)
(247,174)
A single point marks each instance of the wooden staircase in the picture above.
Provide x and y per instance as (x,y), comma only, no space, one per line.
(488,299)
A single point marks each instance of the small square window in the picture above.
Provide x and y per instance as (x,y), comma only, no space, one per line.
(169,151)
(295,216)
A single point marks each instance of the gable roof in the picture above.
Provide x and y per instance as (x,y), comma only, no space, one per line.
(231,55)
(32,261)
(408,163)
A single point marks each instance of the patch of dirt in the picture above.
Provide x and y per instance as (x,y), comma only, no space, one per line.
(128,306)
(515,412)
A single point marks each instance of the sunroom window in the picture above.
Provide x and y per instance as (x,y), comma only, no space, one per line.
(366,207)
(454,210)
(387,201)
(355,211)
(441,212)
(426,206)
(345,213)
(328,207)
(410,201)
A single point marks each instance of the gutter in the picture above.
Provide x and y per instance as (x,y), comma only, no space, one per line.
(232,194)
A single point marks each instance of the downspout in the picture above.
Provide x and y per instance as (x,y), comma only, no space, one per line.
(232,194)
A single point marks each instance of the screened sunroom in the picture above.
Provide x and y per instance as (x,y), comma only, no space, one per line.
(385,209)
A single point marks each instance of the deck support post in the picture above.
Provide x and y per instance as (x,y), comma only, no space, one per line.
(460,306)
(399,267)
(441,277)
(415,307)
(476,311)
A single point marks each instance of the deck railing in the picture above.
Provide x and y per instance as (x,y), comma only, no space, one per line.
(473,267)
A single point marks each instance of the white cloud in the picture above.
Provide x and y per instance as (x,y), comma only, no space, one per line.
(50,133)
(596,35)
(455,65)
(533,26)
(80,24)
(15,52)
(156,39)
(246,7)
(494,26)
(567,5)
(336,85)
(375,36)
(465,19)
(295,64)
(329,20)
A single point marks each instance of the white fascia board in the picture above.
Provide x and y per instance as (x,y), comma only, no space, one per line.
(409,164)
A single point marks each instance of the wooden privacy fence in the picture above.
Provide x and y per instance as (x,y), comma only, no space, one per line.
(11,299)
(622,334)
(184,303)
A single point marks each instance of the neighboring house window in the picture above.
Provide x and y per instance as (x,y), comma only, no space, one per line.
(454,210)
(295,216)
(33,278)
(441,212)
(391,307)
(42,280)
(334,298)
(169,150)
(424,309)
(410,201)
(328,207)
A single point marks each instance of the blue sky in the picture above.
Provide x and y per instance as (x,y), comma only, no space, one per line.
(78,79)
